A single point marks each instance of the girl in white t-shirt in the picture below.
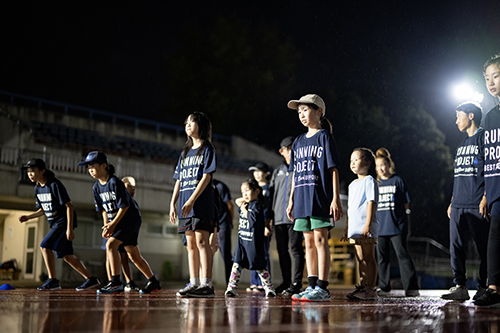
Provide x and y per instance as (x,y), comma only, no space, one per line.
(362,225)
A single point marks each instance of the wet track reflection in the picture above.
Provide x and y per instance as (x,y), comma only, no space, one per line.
(27,310)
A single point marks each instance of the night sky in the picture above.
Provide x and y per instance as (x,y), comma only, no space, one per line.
(111,55)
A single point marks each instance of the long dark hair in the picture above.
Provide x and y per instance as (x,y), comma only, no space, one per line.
(205,132)
(49,174)
(368,156)
(254,185)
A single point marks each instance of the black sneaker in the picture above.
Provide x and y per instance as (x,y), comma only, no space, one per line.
(93,282)
(131,286)
(201,292)
(50,284)
(150,287)
(490,298)
(295,288)
(281,288)
(111,288)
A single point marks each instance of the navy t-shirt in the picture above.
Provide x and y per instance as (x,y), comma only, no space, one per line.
(250,249)
(468,185)
(492,157)
(310,160)
(391,214)
(225,197)
(52,198)
(189,172)
(112,196)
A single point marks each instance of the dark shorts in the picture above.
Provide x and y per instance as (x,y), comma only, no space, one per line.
(121,249)
(194,223)
(56,240)
(129,238)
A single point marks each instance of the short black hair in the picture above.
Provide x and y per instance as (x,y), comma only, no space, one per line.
(495,60)
(474,108)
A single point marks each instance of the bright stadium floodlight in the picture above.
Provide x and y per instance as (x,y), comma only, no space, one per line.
(477,97)
(463,92)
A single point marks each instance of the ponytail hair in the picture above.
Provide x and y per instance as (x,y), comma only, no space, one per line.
(326,124)
(49,174)
(254,185)
(368,156)
(110,168)
(384,154)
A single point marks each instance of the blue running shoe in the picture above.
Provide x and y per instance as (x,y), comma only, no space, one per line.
(298,297)
(93,282)
(111,288)
(49,285)
(317,295)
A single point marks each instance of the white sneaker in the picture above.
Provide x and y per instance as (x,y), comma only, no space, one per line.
(270,292)
(231,292)
(183,292)
(457,293)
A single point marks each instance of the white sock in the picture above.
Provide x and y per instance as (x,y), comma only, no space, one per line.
(206,282)
(194,281)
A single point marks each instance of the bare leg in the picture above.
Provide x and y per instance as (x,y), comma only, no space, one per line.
(135,255)
(206,257)
(311,254)
(113,256)
(50,262)
(321,241)
(125,266)
(108,267)
(193,255)
(78,266)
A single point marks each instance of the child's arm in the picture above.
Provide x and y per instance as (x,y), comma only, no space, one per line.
(335,206)
(289,209)
(109,227)
(38,213)
(70,235)
(372,208)
(173,202)
(188,206)
(344,235)
(240,202)
(483,207)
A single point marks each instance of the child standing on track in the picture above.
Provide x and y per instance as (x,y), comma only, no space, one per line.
(251,251)
(315,195)
(122,221)
(392,213)
(362,225)
(193,201)
(492,184)
(53,201)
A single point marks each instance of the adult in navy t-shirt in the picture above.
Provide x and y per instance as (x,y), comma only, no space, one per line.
(393,195)
(52,198)
(311,160)
(112,196)
(189,172)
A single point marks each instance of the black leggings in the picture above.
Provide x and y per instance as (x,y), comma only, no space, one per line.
(494,251)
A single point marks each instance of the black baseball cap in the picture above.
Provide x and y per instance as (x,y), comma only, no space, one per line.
(35,163)
(259,166)
(94,157)
(286,141)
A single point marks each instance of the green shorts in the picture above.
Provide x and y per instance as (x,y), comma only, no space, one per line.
(311,223)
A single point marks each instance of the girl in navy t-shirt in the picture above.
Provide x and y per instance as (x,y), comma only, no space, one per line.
(122,221)
(251,251)
(362,225)
(392,209)
(53,200)
(193,202)
(315,196)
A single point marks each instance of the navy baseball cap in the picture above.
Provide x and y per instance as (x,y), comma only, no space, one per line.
(94,157)
(35,163)
(260,166)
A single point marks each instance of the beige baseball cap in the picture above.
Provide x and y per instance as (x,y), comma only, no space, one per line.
(308,99)
(130,180)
